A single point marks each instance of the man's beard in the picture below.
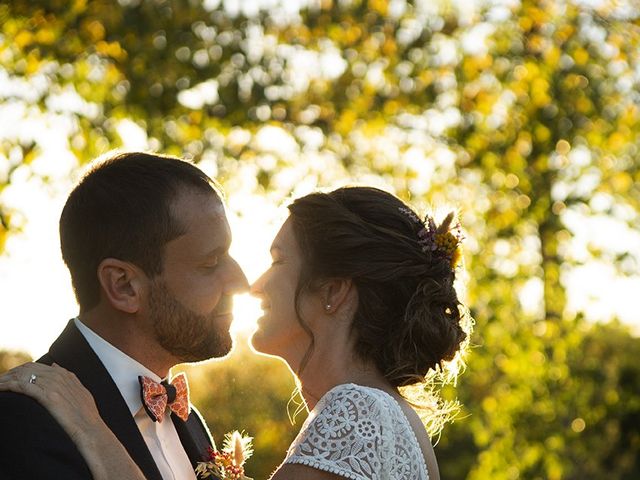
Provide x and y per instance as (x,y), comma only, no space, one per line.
(186,335)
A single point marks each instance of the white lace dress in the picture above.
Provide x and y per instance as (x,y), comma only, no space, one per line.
(359,433)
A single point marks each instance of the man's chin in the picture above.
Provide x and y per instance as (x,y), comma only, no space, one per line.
(221,350)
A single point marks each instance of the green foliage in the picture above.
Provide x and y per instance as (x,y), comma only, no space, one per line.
(578,421)
(538,126)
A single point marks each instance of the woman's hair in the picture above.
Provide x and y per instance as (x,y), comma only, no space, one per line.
(409,320)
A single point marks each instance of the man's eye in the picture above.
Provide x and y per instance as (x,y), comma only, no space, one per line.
(212,264)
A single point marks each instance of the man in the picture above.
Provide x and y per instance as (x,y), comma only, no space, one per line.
(146,241)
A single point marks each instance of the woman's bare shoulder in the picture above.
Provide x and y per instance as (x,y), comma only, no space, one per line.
(423,438)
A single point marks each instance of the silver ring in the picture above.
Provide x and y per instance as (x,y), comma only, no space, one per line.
(33,378)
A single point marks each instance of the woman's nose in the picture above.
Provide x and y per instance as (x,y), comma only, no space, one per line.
(256,289)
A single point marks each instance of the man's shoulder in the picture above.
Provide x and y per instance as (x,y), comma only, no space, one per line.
(18,401)
(25,421)
(16,405)
(16,408)
(33,444)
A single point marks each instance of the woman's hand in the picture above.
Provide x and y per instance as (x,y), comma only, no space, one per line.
(73,406)
(61,393)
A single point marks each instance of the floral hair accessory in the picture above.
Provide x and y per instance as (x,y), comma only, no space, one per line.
(444,240)
(228,463)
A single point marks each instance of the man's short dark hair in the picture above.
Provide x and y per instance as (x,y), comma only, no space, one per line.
(122,209)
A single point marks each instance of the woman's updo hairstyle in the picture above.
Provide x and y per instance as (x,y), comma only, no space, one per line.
(408,319)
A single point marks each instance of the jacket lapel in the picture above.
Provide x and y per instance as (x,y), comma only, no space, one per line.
(194,435)
(72,352)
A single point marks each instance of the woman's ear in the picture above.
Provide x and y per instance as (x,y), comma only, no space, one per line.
(339,294)
(122,284)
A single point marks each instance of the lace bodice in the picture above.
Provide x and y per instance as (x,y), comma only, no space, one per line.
(359,433)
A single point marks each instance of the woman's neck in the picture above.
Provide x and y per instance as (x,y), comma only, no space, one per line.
(322,373)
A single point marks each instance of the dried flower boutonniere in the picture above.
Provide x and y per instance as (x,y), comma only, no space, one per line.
(228,463)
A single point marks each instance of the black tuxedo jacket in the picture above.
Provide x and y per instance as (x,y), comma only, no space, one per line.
(34,446)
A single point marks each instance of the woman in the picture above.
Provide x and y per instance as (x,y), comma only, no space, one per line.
(359,301)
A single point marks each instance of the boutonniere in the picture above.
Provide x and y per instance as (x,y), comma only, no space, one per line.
(228,463)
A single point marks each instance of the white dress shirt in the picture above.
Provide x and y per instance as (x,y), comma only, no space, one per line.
(161,438)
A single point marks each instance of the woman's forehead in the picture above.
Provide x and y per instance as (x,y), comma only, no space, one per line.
(284,239)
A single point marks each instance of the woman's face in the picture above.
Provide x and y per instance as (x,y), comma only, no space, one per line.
(279,331)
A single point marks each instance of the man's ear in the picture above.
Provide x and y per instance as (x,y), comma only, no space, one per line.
(122,284)
(339,294)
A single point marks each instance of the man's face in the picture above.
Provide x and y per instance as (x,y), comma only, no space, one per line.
(190,301)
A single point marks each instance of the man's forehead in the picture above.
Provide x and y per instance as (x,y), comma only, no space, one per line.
(201,210)
(203,236)
(197,201)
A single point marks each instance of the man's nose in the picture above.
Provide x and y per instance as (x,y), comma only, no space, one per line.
(237,281)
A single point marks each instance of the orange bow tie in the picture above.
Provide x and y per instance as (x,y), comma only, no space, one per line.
(156,396)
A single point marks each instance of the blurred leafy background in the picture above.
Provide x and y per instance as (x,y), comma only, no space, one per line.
(523,114)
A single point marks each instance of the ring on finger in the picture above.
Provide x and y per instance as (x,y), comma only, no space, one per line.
(33,378)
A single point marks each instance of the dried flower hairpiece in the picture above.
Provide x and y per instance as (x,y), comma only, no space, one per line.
(444,240)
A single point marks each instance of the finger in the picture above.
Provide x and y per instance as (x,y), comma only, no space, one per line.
(49,385)
(65,374)
(39,370)
(20,384)
(74,388)
(18,368)
(10,385)
(68,382)
(18,378)
(59,381)
(27,367)
(17,372)
(7,376)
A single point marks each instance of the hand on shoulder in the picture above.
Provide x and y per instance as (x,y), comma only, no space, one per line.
(71,404)
(60,392)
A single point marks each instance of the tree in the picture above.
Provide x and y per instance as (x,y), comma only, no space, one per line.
(525,117)
(541,111)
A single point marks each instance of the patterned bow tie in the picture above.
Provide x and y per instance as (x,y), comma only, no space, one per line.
(156,396)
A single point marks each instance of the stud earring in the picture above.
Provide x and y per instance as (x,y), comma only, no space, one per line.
(327,307)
